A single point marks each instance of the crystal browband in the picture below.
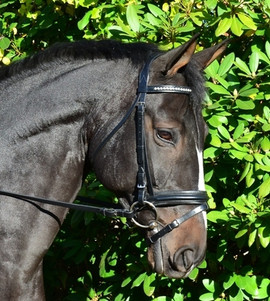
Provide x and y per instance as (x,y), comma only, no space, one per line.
(167,89)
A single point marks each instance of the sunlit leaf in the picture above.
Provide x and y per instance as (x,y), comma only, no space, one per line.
(223,26)
(252,237)
(254,62)
(217,216)
(155,10)
(245,104)
(4,43)
(242,65)
(226,64)
(241,208)
(209,285)
(85,20)
(224,132)
(236,26)
(264,189)
(148,284)
(132,18)
(264,236)
(247,20)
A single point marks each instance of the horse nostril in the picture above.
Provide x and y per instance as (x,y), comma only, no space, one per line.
(183,259)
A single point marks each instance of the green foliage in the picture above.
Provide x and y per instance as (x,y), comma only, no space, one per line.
(94,258)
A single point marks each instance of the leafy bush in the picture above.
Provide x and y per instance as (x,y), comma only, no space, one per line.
(94,258)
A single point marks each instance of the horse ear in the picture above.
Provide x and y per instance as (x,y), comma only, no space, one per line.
(205,57)
(177,58)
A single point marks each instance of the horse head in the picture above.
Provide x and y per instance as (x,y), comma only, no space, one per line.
(172,133)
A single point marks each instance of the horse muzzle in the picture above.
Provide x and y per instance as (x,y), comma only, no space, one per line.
(176,244)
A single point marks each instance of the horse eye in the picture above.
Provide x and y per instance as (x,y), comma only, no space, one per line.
(165,135)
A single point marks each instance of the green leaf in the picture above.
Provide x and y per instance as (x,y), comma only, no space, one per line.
(266,127)
(4,43)
(237,154)
(237,26)
(203,265)
(265,144)
(238,131)
(194,273)
(85,20)
(242,66)
(245,104)
(246,138)
(252,237)
(218,89)
(249,158)
(228,283)
(264,236)
(216,216)
(223,26)
(239,147)
(264,189)
(254,62)
(217,120)
(156,11)
(226,64)
(249,92)
(263,290)
(211,152)
(224,132)
(132,18)
(148,285)
(139,280)
(247,20)
(241,233)
(212,69)
(241,208)
(215,141)
(251,286)
(238,297)
(249,177)
(153,20)
(241,281)
(209,285)
(104,270)
(211,4)
(267,48)
(245,171)
(126,281)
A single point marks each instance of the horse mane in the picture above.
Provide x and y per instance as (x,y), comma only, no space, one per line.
(80,50)
(108,49)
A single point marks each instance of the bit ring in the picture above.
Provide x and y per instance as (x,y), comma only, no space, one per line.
(153,224)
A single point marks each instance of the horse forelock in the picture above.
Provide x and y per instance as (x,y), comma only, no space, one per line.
(81,50)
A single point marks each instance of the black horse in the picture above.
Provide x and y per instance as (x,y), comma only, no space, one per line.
(129,112)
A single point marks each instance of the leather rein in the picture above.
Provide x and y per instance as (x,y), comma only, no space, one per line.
(144,197)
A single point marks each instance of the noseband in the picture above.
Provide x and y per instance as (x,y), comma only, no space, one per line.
(144,198)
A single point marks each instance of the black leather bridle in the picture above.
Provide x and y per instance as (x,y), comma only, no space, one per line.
(144,196)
